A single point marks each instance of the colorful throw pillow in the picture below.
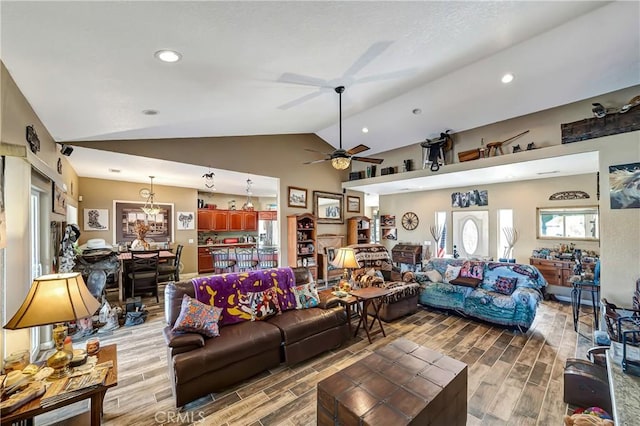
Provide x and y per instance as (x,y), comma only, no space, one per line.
(434,276)
(264,304)
(505,285)
(451,273)
(306,296)
(197,317)
(466,281)
(472,270)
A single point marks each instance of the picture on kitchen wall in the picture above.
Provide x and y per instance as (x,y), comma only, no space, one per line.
(186,221)
(96,219)
(127,214)
(470,198)
(624,186)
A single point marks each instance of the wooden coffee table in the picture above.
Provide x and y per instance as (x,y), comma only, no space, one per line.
(370,296)
(27,412)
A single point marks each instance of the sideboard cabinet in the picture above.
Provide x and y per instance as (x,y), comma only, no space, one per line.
(555,271)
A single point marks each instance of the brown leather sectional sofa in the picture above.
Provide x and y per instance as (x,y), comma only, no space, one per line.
(199,365)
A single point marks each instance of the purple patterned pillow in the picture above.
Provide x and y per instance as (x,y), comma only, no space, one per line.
(197,317)
(505,285)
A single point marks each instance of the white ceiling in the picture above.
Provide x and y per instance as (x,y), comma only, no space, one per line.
(88,69)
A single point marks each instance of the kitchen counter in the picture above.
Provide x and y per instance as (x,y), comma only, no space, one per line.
(624,391)
(228,245)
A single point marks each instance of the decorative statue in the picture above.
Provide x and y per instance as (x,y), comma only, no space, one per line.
(140,243)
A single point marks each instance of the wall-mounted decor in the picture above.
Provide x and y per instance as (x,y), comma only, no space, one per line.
(96,219)
(353,204)
(470,198)
(604,124)
(126,214)
(387,220)
(569,195)
(410,221)
(59,200)
(297,197)
(389,233)
(32,139)
(327,207)
(59,166)
(624,181)
(186,220)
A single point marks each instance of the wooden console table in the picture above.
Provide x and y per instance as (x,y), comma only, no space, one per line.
(26,413)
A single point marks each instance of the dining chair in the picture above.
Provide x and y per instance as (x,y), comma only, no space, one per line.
(267,258)
(171,270)
(143,272)
(222,260)
(245,259)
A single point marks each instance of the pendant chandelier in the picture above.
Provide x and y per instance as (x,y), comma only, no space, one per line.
(249,204)
(149,208)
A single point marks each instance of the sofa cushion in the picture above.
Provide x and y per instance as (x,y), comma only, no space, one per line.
(306,296)
(472,270)
(264,304)
(228,348)
(196,317)
(466,281)
(434,276)
(299,324)
(505,285)
(451,273)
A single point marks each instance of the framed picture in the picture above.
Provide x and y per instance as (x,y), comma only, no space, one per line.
(185,221)
(387,220)
(624,179)
(297,197)
(390,233)
(327,207)
(353,204)
(59,200)
(96,219)
(127,213)
(470,198)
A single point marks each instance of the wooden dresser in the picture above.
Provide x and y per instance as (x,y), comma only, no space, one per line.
(555,271)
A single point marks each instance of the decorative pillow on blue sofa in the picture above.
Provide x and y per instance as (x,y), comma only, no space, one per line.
(505,285)
(466,281)
(197,317)
(472,270)
(451,273)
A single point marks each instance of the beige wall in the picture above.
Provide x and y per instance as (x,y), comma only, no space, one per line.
(15,115)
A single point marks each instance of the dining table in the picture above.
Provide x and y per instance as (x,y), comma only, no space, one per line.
(125,258)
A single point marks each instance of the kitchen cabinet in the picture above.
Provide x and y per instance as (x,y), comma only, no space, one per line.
(358,230)
(555,271)
(227,220)
(268,215)
(205,220)
(220,220)
(242,220)
(205,261)
(250,219)
(302,243)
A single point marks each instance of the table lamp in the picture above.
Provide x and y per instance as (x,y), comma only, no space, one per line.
(345,258)
(55,299)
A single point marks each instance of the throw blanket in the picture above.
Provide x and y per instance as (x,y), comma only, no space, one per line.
(372,256)
(233,292)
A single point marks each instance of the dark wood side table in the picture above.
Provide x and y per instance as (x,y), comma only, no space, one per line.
(576,299)
(27,412)
(370,296)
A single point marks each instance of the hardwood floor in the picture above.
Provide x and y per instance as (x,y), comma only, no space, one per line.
(513,378)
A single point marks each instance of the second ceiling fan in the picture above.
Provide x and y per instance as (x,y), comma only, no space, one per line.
(340,158)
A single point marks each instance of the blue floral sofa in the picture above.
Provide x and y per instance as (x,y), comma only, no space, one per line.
(488,299)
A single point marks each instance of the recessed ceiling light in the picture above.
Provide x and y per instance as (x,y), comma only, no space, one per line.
(150,112)
(114,170)
(365,130)
(507,78)
(417,111)
(168,55)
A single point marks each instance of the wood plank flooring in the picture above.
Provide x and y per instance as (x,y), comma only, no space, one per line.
(513,378)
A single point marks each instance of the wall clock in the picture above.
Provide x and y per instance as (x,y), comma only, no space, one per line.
(410,221)
(145,193)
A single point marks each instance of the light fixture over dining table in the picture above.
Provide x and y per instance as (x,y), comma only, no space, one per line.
(149,208)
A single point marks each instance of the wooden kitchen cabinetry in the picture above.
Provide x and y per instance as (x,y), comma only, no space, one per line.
(358,230)
(205,261)
(556,272)
(227,220)
(302,246)
(243,220)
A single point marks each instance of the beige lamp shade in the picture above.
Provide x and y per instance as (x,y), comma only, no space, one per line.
(52,299)
(345,258)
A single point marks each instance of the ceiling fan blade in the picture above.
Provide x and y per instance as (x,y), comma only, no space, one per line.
(388,76)
(317,161)
(304,80)
(357,149)
(300,100)
(368,160)
(368,56)
(313,150)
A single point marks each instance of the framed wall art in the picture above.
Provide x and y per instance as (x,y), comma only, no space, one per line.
(297,197)
(59,200)
(353,204)
(327,207)
(624,179)
(127,213)
(96,219)
(185,221)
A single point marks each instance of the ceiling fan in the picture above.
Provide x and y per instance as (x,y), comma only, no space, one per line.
(340,158)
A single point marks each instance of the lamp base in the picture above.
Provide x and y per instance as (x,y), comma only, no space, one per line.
(60,360)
